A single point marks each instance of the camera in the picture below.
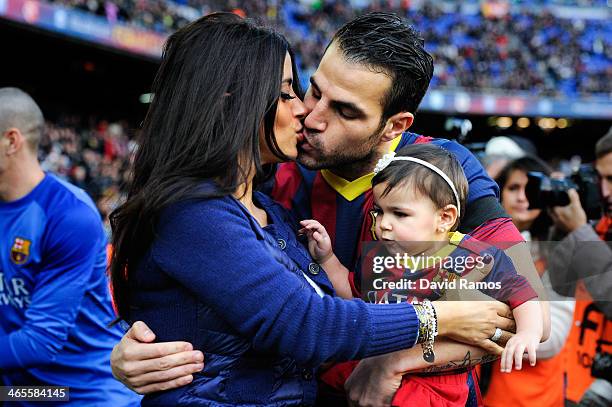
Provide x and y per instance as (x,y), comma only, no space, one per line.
(602,362)
(544,192)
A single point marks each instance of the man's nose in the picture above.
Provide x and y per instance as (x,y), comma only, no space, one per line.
(315,120)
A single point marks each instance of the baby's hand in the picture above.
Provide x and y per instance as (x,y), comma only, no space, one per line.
(516,347)
(319,243)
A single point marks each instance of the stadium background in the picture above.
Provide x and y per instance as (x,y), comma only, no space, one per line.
(537,69)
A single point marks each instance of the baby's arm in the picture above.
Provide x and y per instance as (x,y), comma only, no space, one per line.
(320,247)
(529,330)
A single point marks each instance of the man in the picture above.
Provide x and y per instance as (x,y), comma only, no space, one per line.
(572,220)
(54,299)
(361,100)
(581,265)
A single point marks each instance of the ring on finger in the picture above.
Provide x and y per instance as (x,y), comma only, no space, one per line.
(497,335)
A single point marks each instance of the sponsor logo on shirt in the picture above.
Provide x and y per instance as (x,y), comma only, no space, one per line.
(14,292)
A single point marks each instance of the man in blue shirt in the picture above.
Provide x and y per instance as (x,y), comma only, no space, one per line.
(54,298)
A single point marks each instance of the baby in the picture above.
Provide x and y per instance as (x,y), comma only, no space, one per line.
(419,196)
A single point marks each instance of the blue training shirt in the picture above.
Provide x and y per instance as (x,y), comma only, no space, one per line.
(54,297)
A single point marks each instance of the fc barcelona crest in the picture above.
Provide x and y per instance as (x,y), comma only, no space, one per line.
(20,250)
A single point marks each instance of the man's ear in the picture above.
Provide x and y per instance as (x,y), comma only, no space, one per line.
(13,139)
(396,125)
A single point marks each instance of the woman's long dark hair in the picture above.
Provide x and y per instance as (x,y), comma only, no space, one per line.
(216,89)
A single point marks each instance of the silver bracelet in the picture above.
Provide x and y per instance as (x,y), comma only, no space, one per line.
(430,333)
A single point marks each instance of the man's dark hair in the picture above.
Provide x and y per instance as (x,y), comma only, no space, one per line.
(386,43)
(423,180)
(604,145)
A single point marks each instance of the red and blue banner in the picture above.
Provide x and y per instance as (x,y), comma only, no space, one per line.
(83,25)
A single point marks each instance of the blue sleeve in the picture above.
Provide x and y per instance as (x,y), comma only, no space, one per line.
(212,249)
(481,185)
(70,248)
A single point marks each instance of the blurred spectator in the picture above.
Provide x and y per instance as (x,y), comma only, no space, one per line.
(499,151)
(533,223)
(93,158)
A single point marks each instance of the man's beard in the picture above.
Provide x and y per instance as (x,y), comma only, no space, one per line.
(335,159)
(340,157)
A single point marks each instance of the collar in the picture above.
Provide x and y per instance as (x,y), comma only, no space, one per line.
(352,189)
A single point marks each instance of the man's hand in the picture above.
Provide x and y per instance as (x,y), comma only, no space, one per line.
(474,322)
(148,367)
(571,217)
(373,382)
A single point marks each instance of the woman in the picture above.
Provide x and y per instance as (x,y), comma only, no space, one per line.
(512,180)
(543,384)
(201,257)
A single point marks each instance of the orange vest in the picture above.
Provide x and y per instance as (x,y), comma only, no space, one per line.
(541,385)
(570,370)
(587,328)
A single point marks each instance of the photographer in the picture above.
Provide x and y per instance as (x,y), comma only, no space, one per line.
(582,261)
(542,384)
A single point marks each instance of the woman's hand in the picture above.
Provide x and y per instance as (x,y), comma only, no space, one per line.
(474,322)
(319,243)
(516,347)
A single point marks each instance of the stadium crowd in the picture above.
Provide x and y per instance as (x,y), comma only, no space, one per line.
(93,157)
(531,50)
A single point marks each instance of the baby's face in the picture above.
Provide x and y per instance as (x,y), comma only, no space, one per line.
(405,217)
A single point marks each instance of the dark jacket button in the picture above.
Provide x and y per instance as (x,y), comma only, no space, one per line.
(306,374)
(314,269)
(282,244)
